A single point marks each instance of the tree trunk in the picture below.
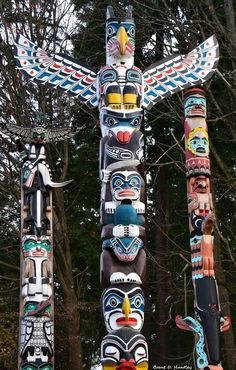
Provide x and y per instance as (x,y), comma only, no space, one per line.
(65,277)
(161,254)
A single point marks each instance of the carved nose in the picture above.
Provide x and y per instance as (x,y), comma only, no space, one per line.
(123,137)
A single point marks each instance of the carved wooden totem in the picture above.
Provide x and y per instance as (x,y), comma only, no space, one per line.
(207,322)
(36,300)
(121,91)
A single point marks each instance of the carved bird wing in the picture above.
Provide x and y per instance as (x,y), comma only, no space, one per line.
(16,131)
(178,72)
(61,134)
(58,71)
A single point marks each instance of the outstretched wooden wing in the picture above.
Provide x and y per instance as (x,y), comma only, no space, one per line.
(26,133)
(61,134)
(178,72)
(16,131)
(58,71)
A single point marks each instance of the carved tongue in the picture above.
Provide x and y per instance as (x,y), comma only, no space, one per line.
(123,137)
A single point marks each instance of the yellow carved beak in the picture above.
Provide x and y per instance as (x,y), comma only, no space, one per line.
(122,38)
(126,308)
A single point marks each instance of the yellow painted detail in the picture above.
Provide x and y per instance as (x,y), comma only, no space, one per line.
(122,38)
(109,367)
(142,366)
(130,106)
(115,106)
(126,308)
(130,98)
(114,98)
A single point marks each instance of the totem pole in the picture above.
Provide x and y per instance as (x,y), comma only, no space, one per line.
(121,92)
(207,323)
(36,298)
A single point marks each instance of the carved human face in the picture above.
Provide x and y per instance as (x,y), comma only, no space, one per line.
(125,185)
(33,246)
(124,349)
(198,143)
(200,184)
(123,305)
(195,106)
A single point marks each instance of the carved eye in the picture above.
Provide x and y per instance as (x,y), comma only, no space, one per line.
(138,301)
(131,31)
(134,249)
(30,244)
(140,353)
(118,182)
(136,122)
(120,250)
(112,351)
(46,246)
(110,121)
(110,31)
(134,182)
(113,302)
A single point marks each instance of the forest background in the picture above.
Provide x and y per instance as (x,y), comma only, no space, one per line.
(77,27)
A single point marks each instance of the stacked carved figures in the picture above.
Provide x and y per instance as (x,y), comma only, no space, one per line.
(123,259)
(207,322)
(36,299)
(121,92)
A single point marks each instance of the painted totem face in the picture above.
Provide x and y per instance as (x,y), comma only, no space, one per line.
(198,143)
(125,249)
(195,106)
(125,185)
(36,247)
(200,184)
(121,125)
(120,40)
(123,305)
(38,135)
(124,349)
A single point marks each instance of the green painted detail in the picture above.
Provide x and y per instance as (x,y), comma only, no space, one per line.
(31,244)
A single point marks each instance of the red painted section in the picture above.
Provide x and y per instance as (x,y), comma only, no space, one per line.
(123,137)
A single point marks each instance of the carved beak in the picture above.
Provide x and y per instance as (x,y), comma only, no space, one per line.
(122,39)
(126,308)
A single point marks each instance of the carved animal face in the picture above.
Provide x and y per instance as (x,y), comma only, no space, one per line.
(119,124)
(123,305)
(38,134)
(120,38)
(124,349)
(125,249)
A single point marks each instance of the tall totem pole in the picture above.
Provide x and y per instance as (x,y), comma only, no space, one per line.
(207,323)
(36,335)
(121,92)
